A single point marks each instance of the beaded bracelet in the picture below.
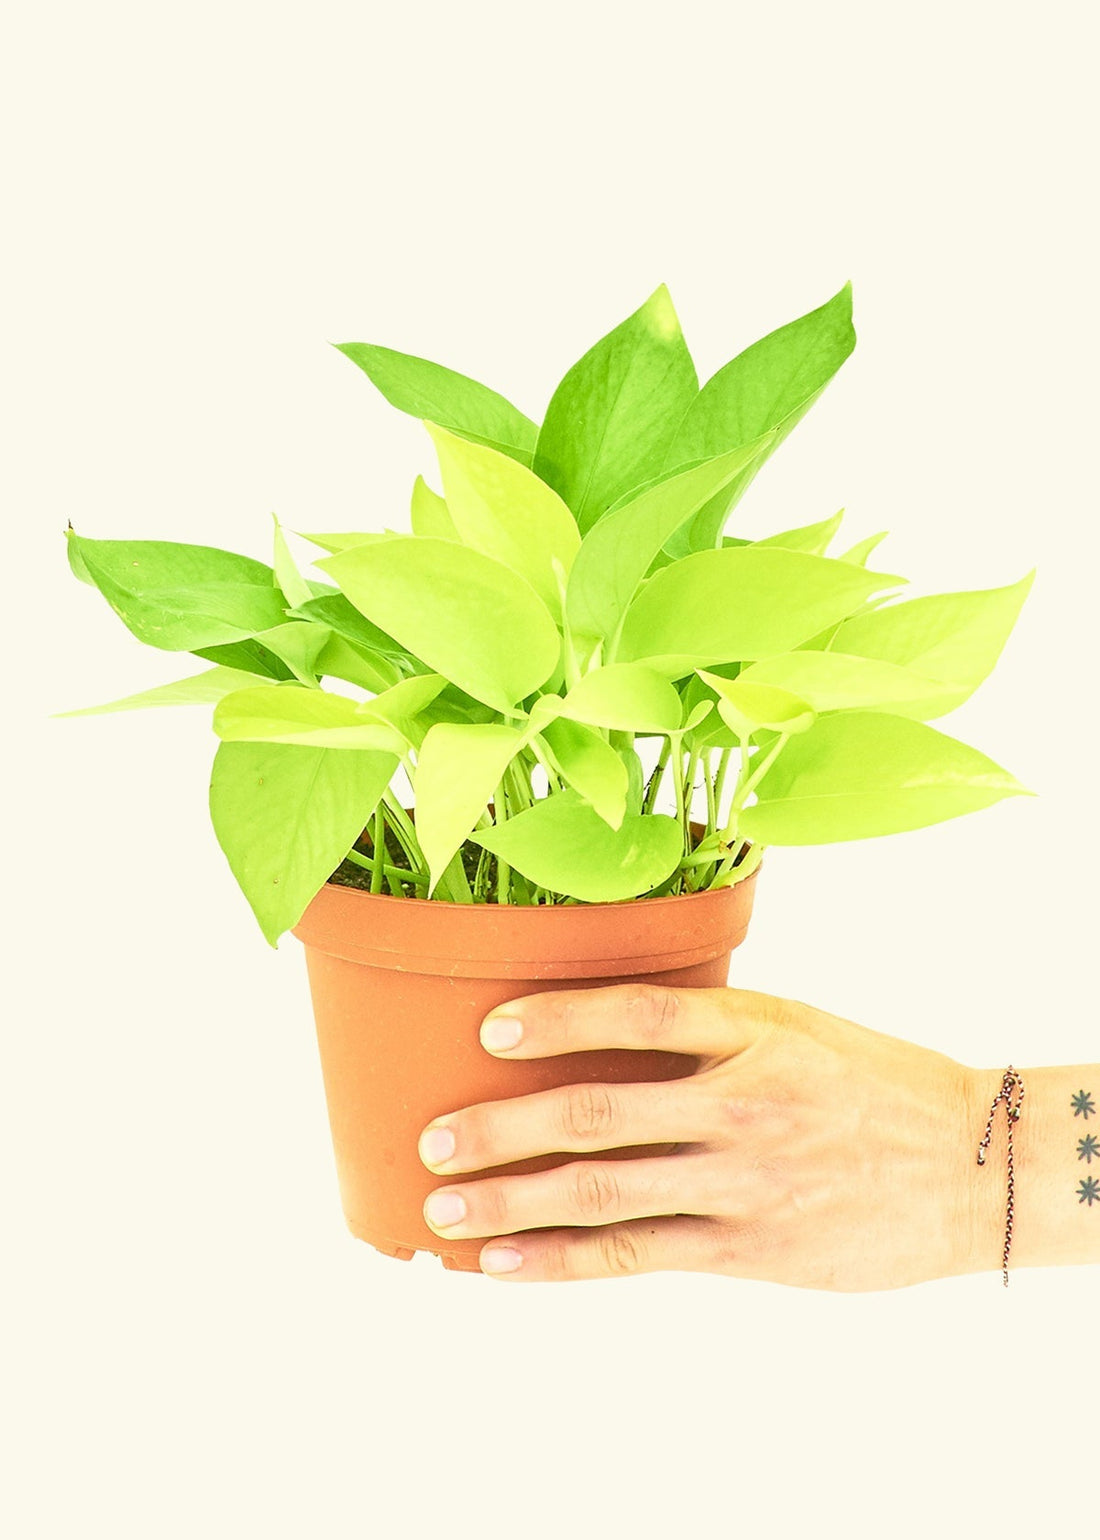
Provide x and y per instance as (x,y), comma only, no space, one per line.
(1011,1080)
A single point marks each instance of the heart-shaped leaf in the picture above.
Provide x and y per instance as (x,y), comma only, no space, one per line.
(618,551)
(628,697)
(859,774)
(290,713)
(739,603)
(287,816)
(589,764)
(562,844)
(769,387)
(834,681)
(181,597)
(503,509)
(612,418)
(425,389)
(955,638)
(745,707)
(467,616)
(458,768)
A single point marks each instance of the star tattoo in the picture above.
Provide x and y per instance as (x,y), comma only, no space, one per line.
(1088,1147)
(1083,1105)
(1089,1190)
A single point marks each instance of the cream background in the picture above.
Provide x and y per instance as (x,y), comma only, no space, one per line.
(198,200)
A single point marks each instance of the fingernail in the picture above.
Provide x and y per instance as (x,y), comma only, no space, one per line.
(436,1146)
(501,1032)
(501,1259)
(445,1208)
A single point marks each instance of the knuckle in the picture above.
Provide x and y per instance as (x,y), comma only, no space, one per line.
(652,1011)
(494,1205)
(742,1244)
(595,1190)
(620,1251)
(587,1113)
(777,1013)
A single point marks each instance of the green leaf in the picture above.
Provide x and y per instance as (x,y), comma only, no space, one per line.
(406,699)
(181,597)
(287,577)
(617,552)
(745,706)
(954,637)
(345,541)
(197,689)
(771,385)
(591,767)
(862,549)
(298,643)
(834,681)
(860,774)
(469,617)
(453,400)
(294,714)
(339,659)
(628,697)
(812,538)
(562,844)
(458,768)
(286,817)
(502,509)
(612,418)
(250,657)
(340,614)
(430,514)
(739,603)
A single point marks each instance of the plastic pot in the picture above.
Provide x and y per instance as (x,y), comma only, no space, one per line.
(400,987)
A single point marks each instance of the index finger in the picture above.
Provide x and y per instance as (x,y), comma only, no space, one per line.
(703,1022)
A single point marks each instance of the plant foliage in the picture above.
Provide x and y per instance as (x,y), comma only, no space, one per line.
(569,596)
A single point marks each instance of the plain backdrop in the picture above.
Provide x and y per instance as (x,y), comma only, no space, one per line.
(198,201)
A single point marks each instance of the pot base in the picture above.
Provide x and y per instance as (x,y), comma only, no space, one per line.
(458,1262)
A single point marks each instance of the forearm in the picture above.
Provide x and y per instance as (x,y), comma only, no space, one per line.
(1056,1144)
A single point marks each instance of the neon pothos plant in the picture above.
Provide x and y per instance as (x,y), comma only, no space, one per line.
(569,597)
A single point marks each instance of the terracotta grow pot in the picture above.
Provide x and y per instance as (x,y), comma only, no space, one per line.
(400,987)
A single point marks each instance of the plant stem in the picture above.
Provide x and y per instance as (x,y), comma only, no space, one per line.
(720,781)
(400,873)
(656,777)
(504,871)
(377,871)
(689,793)
(403,830)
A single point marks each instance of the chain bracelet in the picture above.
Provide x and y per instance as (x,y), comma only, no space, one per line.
(1012,1080)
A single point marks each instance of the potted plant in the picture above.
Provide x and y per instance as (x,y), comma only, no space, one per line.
(564,660)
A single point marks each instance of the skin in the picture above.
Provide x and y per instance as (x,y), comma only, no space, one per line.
(805,1150)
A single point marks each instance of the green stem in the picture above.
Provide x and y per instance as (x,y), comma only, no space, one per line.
(504,871)
(398,873)
(689,794)
(678,781)
(720,781)
(378,875)
(656,777)
(403,829)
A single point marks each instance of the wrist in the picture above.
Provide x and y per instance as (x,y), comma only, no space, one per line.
(1051,1224)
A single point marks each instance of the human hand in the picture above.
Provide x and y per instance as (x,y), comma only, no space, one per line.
(811,1151)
